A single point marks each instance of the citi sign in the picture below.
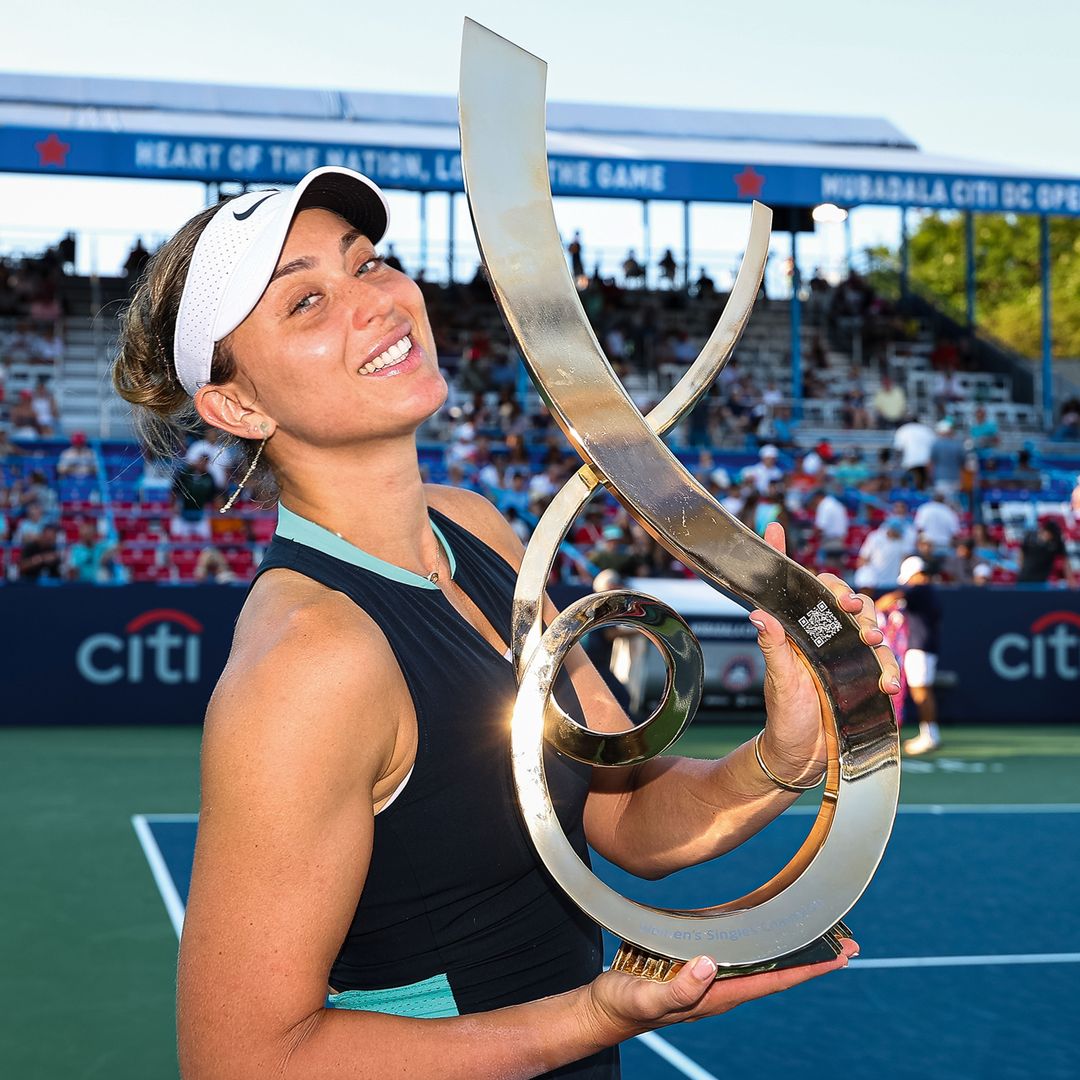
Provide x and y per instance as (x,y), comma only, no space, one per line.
(1050,648)
(162,644)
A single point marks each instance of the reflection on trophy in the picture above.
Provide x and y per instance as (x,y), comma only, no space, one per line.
(796,916)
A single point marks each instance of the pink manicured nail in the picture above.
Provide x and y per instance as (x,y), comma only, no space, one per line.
(760,625)
(894,684)
(703,968)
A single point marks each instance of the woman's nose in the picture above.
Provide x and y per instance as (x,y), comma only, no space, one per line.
(371,302)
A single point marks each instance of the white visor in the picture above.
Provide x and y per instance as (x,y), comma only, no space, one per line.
(238,250)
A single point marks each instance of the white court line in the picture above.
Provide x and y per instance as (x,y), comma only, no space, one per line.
(658,1045)
(964,961)
(676,1058)
(162,878)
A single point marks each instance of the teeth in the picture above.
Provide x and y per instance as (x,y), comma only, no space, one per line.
(390,356)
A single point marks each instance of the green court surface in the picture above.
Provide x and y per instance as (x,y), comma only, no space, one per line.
(87,978)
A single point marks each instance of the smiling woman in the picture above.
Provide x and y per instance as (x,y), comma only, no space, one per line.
(364,899)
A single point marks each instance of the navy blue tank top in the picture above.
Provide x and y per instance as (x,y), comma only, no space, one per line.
(456,901)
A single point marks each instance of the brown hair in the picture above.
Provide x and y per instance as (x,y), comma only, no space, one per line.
(144,374)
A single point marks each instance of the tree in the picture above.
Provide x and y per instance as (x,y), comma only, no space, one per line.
(1008,295)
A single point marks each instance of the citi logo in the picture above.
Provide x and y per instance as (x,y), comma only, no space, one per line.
(163,644)
(1052,647)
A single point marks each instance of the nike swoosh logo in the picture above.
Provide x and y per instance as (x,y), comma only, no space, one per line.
(251,209)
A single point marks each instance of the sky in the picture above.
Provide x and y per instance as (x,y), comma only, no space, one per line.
(987,80)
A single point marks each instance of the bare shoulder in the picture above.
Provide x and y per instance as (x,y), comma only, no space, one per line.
(309,675)
(479,516)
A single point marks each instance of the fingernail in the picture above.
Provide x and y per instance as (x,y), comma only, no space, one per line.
(759,624)
(703,968)
(854,596)
(894,685)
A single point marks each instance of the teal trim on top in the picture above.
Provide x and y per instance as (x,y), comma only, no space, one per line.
(292,526)
(429,999)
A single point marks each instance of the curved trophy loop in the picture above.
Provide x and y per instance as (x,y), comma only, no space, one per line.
(565,507)
(685,670)
(504,160)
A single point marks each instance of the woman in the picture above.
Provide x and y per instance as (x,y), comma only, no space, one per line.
(364,900)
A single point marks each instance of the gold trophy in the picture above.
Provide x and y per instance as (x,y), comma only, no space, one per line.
(795,917)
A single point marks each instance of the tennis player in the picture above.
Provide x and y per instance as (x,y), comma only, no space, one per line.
(365,901)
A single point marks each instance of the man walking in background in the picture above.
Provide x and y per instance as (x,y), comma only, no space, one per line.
(922,616)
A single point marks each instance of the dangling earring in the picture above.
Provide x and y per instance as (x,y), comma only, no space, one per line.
(247,476)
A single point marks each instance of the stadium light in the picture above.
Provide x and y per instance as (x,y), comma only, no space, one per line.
(829,214)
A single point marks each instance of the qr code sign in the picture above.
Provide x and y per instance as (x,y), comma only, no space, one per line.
(820,623)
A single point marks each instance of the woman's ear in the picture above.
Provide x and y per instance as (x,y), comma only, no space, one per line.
(221,408)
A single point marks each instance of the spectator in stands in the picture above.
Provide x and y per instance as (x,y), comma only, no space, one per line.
(45,409)
(854,414)
(1068,428)
(220,456)
(87,559)
(1074,501)
(850,471)
(391,259)
(633,271)
(31,525)
(981,574)
(766,471)
(612,554)
(1025,476)
(136,261)
(889,404)
(23,419)
(922,615)
(77,461)
(770,508)
(704,286)
(986,549)
(514,494)
(194,490)
(830,528)
(984,430)
(946,458)
(881,555)
(914,440)
(958,567)
(38,489)
(668,269)
(213,566)
(40,558)
(577,258)
(1040,551)
(938,522)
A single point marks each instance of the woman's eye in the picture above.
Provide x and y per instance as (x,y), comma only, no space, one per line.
(370,264)
(305,303)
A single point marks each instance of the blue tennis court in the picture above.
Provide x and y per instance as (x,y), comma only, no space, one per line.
(970,944)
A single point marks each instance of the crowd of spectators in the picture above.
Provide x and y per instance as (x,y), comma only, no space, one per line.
(854,510)
(31,339)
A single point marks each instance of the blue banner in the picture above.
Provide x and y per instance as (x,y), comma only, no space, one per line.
(262,161)
(150,654)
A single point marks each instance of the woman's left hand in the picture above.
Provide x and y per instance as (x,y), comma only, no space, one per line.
(794,743)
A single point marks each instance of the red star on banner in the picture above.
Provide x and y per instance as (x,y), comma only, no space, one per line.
(52,151)
(749,183)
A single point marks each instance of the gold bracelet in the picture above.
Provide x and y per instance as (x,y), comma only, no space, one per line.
(797,788)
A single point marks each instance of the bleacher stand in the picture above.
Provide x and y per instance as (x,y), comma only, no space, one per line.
(121,517)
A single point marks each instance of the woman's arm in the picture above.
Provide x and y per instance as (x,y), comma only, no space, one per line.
(300,736)
(672,812)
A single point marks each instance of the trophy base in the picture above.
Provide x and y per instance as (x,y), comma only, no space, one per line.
(634,960)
